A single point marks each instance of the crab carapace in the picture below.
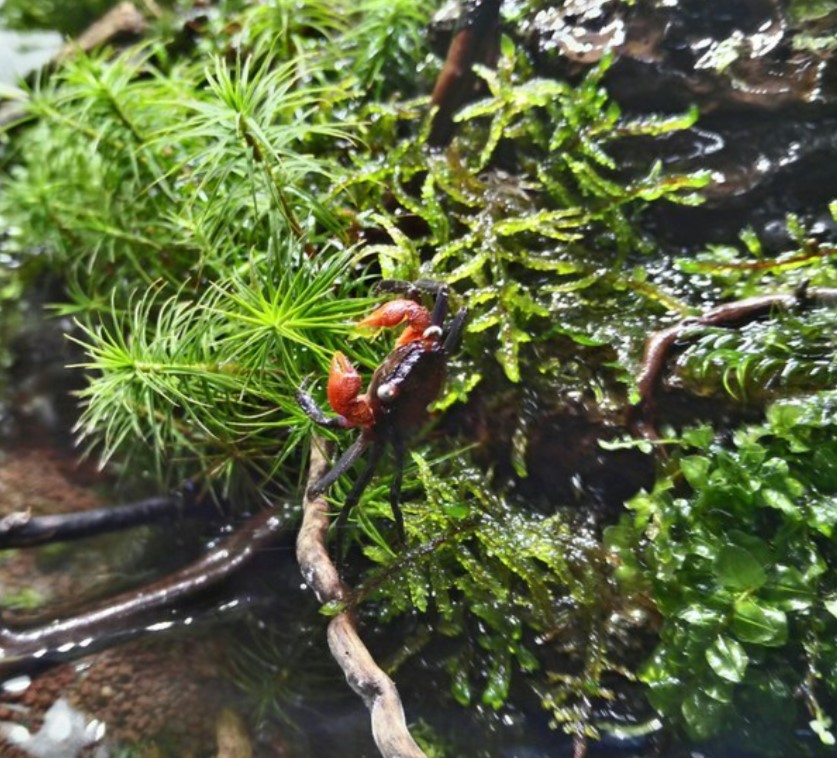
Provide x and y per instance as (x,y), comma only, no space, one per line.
(394,404)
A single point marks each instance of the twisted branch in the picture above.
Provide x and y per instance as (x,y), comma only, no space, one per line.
(122,616)
(659,345)
(21,529)
(365,677)
(475,40)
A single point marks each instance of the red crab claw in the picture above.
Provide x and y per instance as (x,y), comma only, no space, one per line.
(396,312)
(343,392)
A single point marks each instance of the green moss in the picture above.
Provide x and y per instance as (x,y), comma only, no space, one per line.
(26,599)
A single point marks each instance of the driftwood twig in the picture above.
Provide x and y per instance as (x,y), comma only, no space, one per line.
(659,345)
(120,616)
(365,677)
(475,40)
(21,529)
(123,20)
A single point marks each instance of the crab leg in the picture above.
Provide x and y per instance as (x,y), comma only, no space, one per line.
(317,415)
(346,461)
(395,488)
(352,499)
(440,308)
(454,335)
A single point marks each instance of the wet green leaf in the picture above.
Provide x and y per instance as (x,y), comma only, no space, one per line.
(695,468)
(461,686)
(527,660)
(553,224)
(737,568)
(699,614)
(703,715)
(752,543)
(758,623)
(788,589)
(821,513)
(499,679)
(780,501)
(808,10)
(727,658)
(665,695)
(457,511)
(822,728)
(699,436)
(830,604)
(720,690)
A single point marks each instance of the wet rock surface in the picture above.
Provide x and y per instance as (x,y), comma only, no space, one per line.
(763,74)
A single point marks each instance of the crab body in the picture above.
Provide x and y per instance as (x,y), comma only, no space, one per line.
(402,387)
(409,379)
(395,403)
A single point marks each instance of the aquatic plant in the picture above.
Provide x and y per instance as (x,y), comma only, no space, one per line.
(219,223)
(733,546)
(549,218)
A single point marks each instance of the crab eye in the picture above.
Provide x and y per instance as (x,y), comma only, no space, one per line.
(432,331)
(387,392)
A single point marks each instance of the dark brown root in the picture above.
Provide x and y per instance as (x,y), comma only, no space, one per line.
(20,529)
(475,40)
(733,315)
(127,614)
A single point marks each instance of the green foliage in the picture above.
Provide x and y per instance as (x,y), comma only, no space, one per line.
(809,10)
(512,588)
(53,15)
(135,166)
(26,599)
(749,274)
(521,242)
(205,383)
(385,42)
(206,215)
(188,206)
(112,181)
(733,547)
(789,354)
